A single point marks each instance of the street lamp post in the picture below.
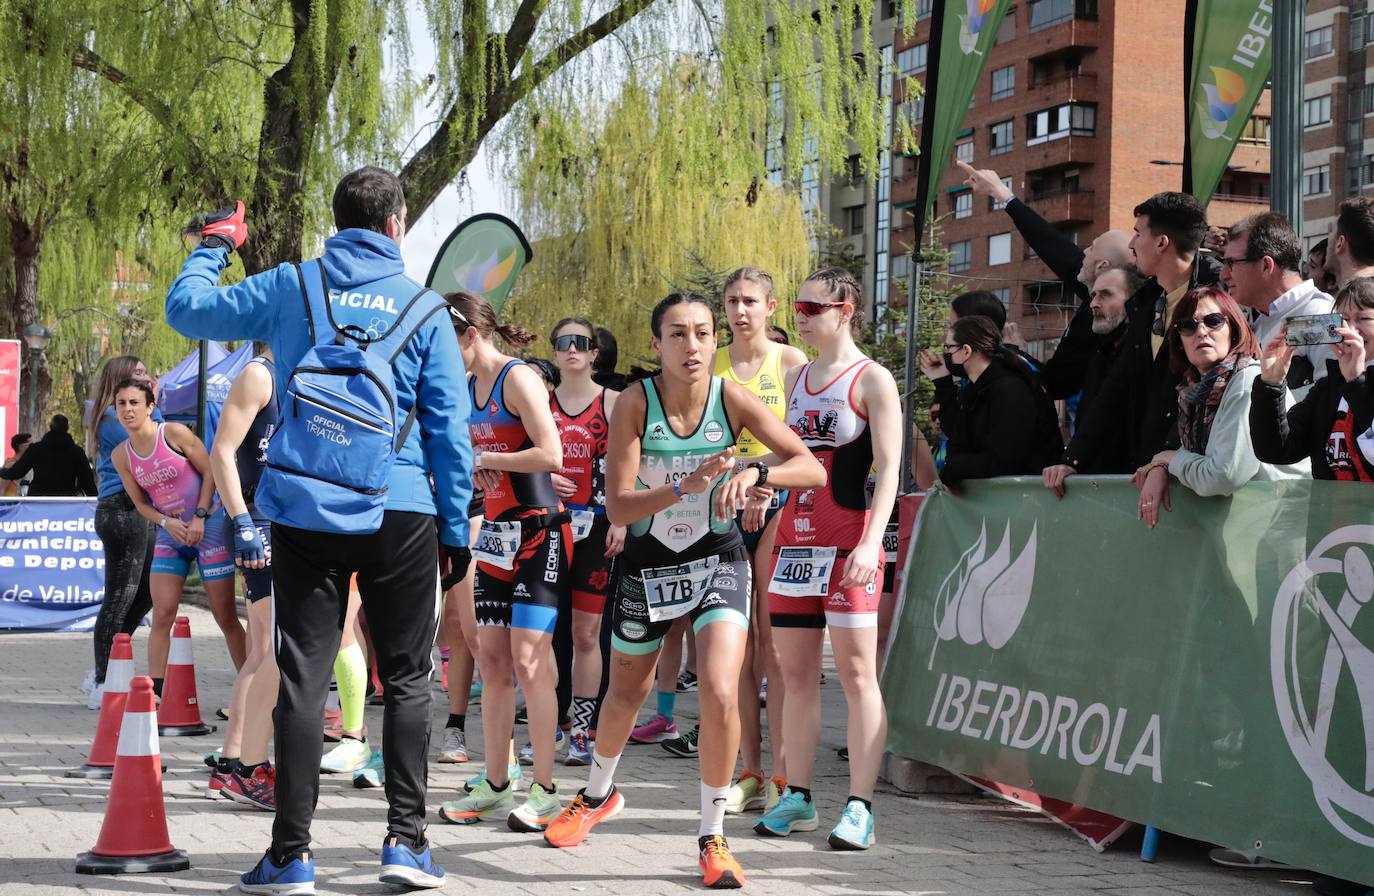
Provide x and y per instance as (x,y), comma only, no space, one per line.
(36,338)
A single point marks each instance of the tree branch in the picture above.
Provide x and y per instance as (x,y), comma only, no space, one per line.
(439,160)
(521,30)
(202,172)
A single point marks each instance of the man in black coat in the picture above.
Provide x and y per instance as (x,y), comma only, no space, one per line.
(60,468)
(1139,395)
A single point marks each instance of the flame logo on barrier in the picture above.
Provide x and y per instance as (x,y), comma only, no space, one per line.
(1222,98)
(984,598)
(1314,652)
(972,24)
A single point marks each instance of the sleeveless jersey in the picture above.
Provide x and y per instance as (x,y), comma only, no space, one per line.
(251,455)
(690,526)
(839,437)
(167,476)
(495,428)
(768,384)
(584,451)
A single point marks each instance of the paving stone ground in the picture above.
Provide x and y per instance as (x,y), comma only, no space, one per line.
(931,846)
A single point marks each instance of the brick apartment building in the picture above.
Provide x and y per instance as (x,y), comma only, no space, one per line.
(1075,110)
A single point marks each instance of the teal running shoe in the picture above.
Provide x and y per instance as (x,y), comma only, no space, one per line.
(371,775)
(793,812)
(855,830)
(513,773)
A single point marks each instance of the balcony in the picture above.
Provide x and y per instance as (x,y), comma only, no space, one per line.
(1063,206)
(1061,153)
(1226,209)
(903,189)
(1065,87)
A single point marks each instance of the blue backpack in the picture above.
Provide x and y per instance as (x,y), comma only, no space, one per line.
(337,435)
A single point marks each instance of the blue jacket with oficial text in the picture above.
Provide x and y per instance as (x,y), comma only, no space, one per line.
(367,288)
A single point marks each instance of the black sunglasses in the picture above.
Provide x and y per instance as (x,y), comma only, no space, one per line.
(1212,322)
(571,341)
(1160,304)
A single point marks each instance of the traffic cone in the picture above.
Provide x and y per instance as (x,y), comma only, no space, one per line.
(179,714)
(118,674)
(133,838)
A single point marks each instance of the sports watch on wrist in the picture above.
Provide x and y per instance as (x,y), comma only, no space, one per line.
(202,513)
(763,471)
(677,489)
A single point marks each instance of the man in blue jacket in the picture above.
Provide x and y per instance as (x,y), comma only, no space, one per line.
(396,566)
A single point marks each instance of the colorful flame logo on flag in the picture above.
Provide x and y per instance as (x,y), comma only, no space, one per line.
(972,24)
(484,276)
(1219,102)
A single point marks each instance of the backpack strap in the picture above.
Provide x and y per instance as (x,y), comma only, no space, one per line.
(305,297)
(398,337)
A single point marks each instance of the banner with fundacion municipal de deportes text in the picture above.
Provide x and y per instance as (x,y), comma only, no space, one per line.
(963,34)
(52,564)
(1213,677)
(1232,43)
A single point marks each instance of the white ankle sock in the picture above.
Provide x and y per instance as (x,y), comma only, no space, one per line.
(712,810)
(603,770)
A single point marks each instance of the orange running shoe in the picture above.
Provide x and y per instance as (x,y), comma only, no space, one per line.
(575,822)
(719,870)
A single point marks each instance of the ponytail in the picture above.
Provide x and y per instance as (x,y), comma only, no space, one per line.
(514,336)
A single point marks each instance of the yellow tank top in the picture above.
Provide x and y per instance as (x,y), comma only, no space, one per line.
(767,384)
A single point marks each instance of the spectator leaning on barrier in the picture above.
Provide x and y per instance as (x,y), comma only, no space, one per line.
(1213,350)
(1062,373)
(1260,269)
(1110,293)
(324,529)
(60,468)
(1007,424)
(1139,394)
(1333,425)
(1350,242)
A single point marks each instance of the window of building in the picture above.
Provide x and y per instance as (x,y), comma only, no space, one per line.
(999,249)
(854,217)
(853,169)
(914,110)
(960,256)
(1008,30)
(923,9)
(1357,28)
(1070,181)
(1003,294)
(912,60)
(901,270)
(1317,43)
(1076,119)
(1316,181)
(1316,111)
(1001,138)
(1047,13)
(963,151)
(963,204)
(1256,130)
(993,204)
(1003,82)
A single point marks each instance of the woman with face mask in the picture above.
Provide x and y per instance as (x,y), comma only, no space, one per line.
(1007,425)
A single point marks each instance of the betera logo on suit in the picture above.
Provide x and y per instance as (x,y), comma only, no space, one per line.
(983,601)
(1322,673)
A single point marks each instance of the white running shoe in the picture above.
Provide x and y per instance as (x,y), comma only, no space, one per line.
(97,694)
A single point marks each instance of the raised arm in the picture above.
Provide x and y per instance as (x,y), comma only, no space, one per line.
(250,309)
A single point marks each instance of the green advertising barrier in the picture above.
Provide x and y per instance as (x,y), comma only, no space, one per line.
(1212,677)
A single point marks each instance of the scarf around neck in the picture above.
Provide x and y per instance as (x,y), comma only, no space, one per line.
(1199,396)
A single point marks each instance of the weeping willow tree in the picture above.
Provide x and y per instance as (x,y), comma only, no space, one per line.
(660,187)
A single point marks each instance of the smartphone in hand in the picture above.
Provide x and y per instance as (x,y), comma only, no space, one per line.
(1313,329)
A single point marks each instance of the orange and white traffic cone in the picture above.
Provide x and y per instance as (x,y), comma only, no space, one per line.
(133,838)
(118,674)
(179,714)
